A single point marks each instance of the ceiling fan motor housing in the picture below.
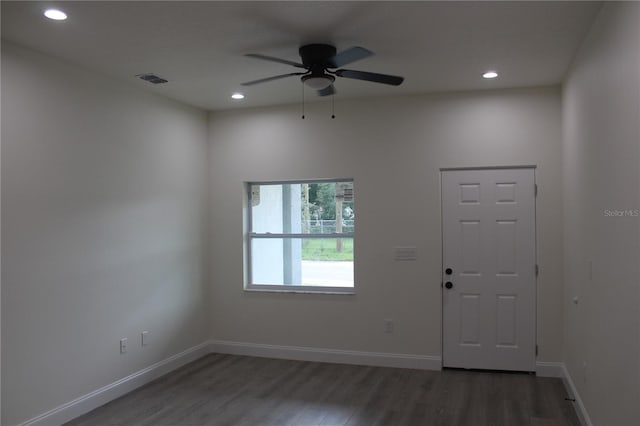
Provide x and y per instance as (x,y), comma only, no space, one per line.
(317,54)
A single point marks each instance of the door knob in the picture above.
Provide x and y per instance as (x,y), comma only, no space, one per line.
(448,271)
(448,285)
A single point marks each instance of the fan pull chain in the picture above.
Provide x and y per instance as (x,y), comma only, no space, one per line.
(303,101)
(333,108)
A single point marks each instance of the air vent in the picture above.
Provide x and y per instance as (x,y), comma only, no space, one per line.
(152,78)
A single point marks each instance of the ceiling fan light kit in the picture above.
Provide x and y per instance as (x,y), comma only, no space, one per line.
(318,82)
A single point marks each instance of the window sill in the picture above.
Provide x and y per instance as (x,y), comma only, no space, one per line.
(301,290)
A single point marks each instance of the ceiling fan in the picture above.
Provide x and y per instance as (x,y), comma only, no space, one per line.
(320,62)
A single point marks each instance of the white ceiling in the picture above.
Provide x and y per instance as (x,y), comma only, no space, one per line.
(199,46)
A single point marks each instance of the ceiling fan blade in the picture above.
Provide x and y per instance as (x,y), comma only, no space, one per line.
(350,55)
(275,77)
(272,59)
(329,90)
(371,76)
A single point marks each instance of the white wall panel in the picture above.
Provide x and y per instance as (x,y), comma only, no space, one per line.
(601,164)
(394,148)
(103,231)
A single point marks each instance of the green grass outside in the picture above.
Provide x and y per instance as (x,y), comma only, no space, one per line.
(325,249)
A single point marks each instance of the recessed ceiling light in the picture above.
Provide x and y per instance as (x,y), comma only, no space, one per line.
(490,74)
(55,14)
(237,96)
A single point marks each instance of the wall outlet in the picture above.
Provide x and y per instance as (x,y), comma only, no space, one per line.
(123,345)
(144,338)
(388,325)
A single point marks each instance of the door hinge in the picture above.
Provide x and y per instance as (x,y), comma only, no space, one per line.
(537,270)
(535,189)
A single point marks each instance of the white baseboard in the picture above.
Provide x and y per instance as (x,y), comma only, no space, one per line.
(378,359)
(558,369)
(583,416)
(549,369)
(90,401)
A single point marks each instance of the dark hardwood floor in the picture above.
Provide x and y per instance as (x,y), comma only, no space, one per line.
(246,391)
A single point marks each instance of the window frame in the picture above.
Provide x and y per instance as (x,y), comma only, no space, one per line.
(249,285)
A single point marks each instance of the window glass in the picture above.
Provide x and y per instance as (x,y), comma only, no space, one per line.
(301,236)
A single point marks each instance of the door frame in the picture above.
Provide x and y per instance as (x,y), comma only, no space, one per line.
(535,243)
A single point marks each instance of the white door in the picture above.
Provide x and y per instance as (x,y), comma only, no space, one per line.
(489,269)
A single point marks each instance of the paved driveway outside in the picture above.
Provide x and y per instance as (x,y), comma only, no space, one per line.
(326,273)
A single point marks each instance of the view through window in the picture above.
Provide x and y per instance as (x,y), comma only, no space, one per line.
(301,235)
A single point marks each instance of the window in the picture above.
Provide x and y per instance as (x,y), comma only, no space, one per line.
(300,236)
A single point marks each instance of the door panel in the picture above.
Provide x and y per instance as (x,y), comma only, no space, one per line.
(488,219)
(470,247)
(506,320)
(469,316)
(506,247)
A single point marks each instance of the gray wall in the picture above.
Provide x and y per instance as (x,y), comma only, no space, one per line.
(394,149)
(103,231)
(601,116)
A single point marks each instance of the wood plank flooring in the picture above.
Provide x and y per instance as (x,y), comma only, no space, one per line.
(247,391)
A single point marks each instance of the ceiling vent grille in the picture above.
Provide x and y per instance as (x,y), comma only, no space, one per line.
(151,78)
